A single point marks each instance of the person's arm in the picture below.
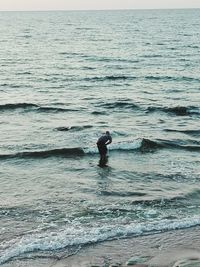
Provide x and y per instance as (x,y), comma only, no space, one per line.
(109,141)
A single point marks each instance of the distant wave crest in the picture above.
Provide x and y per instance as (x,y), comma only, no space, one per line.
(172,78)
(119,104)
(74,128)
(31,106)
(178,110)
(17,106)
(109,78)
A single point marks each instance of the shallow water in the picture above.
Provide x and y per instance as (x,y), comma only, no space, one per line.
(66,77)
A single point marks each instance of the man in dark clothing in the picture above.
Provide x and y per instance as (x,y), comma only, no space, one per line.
(102,143)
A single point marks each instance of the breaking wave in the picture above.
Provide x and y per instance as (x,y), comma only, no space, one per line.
(146,145)
(79,235)
(143,145)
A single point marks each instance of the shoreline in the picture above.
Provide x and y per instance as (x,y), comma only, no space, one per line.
(177,248)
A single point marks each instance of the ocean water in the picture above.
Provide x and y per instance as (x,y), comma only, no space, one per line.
(67,77)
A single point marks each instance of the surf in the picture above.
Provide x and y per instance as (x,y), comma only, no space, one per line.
(77,235)
(143,145)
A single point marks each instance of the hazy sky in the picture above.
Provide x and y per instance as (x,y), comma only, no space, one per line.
(95,4)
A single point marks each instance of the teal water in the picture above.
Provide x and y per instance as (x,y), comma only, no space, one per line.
(66,77)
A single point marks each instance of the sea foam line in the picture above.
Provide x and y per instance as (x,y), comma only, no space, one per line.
(79,235)
(133,145)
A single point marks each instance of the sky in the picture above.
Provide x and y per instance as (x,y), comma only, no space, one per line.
(95,4)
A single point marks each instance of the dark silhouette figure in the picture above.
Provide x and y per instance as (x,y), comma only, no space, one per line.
(102,143)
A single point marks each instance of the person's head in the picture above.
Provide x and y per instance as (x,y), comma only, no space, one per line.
(107,132)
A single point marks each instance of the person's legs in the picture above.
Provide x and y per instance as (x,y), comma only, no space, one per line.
(102,151)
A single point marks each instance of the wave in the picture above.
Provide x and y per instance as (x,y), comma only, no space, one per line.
(179,110)
(194,194)
(17,106)
(55,109)
(120,104)
(79,235)
(62,152)
(147,145)
(110,60)
(121,194)
(109,78)
(94,58)
(98,112)
(141,144)
(24,73)
(188,132)
(12,85)
(153,56)
(31,106)
(162,202)
(172,78)
(76,151)
(74,128)
(120,146)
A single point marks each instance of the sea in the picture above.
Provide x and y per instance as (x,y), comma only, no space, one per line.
(66,77)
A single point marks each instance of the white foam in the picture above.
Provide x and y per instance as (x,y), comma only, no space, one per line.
(195,110)
(80,235)
(132,145)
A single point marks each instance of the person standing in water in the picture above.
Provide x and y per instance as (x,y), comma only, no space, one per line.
(102,143)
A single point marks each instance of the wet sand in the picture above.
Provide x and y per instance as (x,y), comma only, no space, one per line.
(178,248)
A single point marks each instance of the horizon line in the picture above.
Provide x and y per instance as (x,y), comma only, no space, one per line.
(106,9)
